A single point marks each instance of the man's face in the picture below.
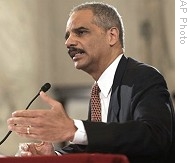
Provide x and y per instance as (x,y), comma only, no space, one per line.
(87,43)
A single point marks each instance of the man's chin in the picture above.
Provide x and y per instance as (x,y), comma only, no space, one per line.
(77,66)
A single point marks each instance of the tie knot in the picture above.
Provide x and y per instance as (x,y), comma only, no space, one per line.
(95,89)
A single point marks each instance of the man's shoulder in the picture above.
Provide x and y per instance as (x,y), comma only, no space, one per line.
(138,67)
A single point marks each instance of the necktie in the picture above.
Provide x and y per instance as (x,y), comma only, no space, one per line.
(95,104)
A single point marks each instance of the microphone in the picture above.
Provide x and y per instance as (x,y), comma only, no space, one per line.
(44,88)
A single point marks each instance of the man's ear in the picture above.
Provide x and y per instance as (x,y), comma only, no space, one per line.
(113,35)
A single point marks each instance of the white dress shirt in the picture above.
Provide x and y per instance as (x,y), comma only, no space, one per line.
(105,83)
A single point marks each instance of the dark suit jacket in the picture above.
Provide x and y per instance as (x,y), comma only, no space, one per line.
(140,122)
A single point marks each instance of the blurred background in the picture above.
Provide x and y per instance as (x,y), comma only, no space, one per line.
(32,52)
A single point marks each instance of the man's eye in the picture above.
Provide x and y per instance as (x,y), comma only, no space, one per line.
(81,33)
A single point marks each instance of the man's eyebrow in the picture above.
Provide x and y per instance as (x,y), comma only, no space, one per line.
(75,30)
(80,28)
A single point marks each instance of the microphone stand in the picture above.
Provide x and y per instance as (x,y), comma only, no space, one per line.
(44,88)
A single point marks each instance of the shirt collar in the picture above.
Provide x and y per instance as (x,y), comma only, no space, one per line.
(106,79)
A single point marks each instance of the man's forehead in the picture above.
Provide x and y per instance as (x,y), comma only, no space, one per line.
(78,18)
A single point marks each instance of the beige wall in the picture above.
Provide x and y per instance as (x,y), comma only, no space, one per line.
(32,48)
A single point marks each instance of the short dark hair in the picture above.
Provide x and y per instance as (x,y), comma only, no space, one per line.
(106,16)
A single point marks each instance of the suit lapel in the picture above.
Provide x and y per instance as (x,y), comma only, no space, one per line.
(114,106)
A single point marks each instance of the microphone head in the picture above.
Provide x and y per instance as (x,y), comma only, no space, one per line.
(45,87)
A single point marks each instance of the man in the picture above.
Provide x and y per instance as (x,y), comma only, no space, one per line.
(136,113)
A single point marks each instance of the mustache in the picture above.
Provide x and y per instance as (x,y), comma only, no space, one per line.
(73,50)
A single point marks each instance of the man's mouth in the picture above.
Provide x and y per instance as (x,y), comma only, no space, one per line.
(75,51)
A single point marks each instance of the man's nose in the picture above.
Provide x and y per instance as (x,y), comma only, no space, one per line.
(71,41)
